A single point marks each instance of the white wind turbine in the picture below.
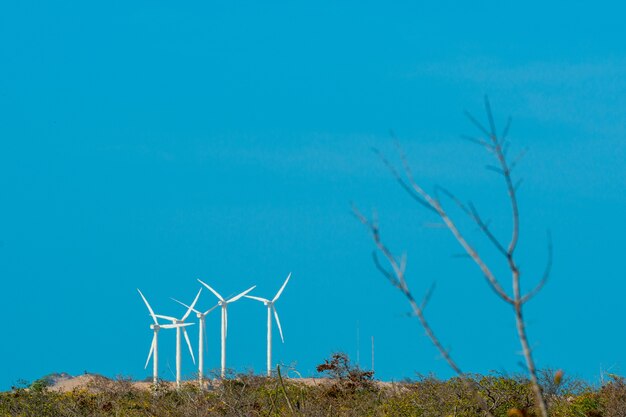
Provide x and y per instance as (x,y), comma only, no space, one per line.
(174,320)
(201,332)
(154,347)
(224,304)
(271,308)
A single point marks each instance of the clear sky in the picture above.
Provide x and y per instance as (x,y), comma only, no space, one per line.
(148,144)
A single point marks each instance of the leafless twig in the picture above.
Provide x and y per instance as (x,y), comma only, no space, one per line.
(498,146)
(397,278)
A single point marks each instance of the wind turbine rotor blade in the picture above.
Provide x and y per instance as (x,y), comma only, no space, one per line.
(280,329)
(170,318)
(282,288)
(185,305)
(263,300)
(149,308)
(174,326)
(190,309)
(237,297)
(189,345)
(151,350)
(211,309)
(212,290)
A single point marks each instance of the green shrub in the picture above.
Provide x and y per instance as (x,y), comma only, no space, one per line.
(350,392)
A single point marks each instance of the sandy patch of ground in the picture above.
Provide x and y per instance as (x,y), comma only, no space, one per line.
(92,382)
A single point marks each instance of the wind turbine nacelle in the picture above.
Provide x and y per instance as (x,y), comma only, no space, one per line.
(155,326)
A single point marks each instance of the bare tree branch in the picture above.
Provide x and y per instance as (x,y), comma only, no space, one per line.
(518,301)
(400,180)
(506,145)
(399,282)
(387,274)
(481,142)
(436,206)
(546,274)
(403,287)
(485,229)
(427,296)
(505,131)
(492,124)
(494,169)
(454,198)
(498,146)
(517,159)
(477,124)
(472,213)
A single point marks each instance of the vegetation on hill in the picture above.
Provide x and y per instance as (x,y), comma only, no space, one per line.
(346,391)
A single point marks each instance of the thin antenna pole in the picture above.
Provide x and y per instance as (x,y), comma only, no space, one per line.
(372,353)
(358,356)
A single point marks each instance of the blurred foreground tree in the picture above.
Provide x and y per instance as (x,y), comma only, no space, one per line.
(497,145)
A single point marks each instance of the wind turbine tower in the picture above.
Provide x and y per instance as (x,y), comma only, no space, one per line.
(154,347)
(201,332)
(271,309)
(224,304)
(181,321)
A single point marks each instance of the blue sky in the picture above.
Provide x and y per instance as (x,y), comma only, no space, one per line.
(153,143)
